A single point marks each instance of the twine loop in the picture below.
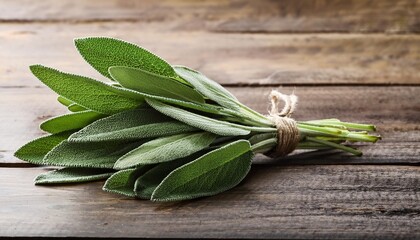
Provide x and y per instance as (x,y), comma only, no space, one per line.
(287,130)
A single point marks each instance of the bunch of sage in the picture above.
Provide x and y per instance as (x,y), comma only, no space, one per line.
(163,132)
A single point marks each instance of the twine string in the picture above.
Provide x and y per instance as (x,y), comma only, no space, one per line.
(288,132)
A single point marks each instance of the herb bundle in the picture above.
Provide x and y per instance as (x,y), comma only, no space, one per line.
(162,132)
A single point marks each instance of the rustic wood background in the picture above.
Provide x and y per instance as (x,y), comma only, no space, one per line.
(355,60)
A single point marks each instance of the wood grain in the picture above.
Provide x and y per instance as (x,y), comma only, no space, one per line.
(25,108)
(273,202)
(357,60)
(229,58)
(229,16)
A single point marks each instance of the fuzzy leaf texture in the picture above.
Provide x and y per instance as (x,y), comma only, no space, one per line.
(198,121)
(147,183)
(130,125)
(102,53)
(122,182)
(71,106)
(64,101)
(86,92)
(70,121)
(94,155)
(214,172)
(207,87)
(202,107)
(76,108)
(35,150)
(164,89)
(72,175)
(153,84)
(165,149)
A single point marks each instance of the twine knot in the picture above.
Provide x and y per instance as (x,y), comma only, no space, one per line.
(287,130)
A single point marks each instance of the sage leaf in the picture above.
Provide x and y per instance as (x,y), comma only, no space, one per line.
(102,53)
(93,155)
(214,172)
(76,108)
(73,107)
(70,121)
(165,149)
(139,132)
(130,125)
(147,183)
(72,175)
(86,92)
(64,101)
(202,107)
(122,182)
(198,121)
(207,87)
(153,84)
(35,150)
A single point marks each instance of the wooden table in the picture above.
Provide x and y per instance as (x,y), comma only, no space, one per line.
(355,60)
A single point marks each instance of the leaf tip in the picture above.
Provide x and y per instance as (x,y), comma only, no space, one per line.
(79,41)
(44,127)
(119,166)
(23,153)
(35,67)
(112,70)
(155,198)
(17,153)
(40,179)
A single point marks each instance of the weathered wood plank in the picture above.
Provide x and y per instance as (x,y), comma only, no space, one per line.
(256,59)
(395,111)
(327,16)
(273,202)
(230,16)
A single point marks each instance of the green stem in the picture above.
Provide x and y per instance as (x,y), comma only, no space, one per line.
(260,129)
(255,115)
(355,126)
(264,146)
(335,145)
(323,125)
(234,117)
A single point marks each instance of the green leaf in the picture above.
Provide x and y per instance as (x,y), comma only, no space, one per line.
(122,182)
(35,150)
(147,183)
(207,87)
(87,92)
(64,101)
(130,125)
(70,121)
(202,107)
(213,173)
(102,53)
(76,108)
(73,107)
(94,155)
(133,133)
(165,149)
(150,83)
(72,175)
(198,121)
